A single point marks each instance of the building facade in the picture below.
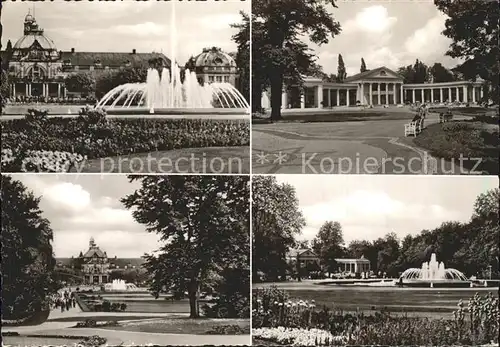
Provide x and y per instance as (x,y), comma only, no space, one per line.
(37,69)
(377,87)
(354,266)
(96,266)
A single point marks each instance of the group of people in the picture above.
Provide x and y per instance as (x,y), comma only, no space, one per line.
(64,300)
(422,112)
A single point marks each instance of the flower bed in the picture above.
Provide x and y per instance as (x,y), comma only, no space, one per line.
(58,143)
(298,337)
(284,321)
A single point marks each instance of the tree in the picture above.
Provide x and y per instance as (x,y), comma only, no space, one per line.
(328,245)
(277,48)
(203,222)
(81,83)
(341,72)
(421,74)
(441,74)
(109,80)
(363,66)
(276,220)
(408,74)
(242,58)
(27,261)
(7,56)
(473,28)
(4,88)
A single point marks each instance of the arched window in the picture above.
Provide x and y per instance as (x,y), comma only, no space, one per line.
(36,72)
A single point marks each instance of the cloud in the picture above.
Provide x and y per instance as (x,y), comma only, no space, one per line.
(141,29)
(428,41)
(67,196)
(372,20)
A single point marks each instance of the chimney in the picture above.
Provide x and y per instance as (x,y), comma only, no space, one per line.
(133,51)
(72,50)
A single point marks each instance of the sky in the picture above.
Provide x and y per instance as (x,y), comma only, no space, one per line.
(385,33)
(83,206)
(120,26)
(371,206)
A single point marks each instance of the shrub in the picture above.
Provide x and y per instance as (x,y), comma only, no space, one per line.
(106,306)
(88,323)
(92,341)
(123,306)
(227,330)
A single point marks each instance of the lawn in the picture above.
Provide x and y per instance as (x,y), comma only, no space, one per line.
(200,326)
(339,116)
(469,139)
(38,341)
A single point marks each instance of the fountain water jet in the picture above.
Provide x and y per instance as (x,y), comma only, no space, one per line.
(433,273)
(165,94)
(119,285)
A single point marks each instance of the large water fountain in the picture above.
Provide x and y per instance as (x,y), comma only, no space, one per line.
(164,93)
(433,273)
(119,285)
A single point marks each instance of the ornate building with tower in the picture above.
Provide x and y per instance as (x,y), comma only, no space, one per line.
(214,65)
(37,69)
(95,266)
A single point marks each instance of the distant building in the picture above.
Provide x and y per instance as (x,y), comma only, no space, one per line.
(307,256)
(214,65)
(96,267)
(37,69)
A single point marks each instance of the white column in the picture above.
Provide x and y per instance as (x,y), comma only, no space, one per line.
(473,94)
(394,94)
(481,91)
(320,96)
(302,100)
(387,93)
(347,97)
(362,98)
(14,89)
(371,94)
(441,95)
(449,95)
(414,97)
(58,90)
(422,94)
(465,94)
(338,96)
(432,95)
(378,90)
(458,94)
(402,94)
(284,100)
(29,89)
(64,91)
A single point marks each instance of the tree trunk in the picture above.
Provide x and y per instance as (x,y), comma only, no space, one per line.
(276,80)
(256,98)
(193,300)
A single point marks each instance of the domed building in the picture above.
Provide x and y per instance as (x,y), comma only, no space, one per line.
(37,69)
(214,65)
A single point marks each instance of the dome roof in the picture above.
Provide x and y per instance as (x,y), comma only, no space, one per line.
(29,18)
(214,57)
(27,41)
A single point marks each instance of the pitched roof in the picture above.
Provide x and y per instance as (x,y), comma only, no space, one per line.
(111,59)
(118,262)
(95,251)
(366,73)
(298,252)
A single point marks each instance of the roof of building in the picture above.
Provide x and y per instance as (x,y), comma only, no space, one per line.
(27,41)
(95,251)
(214,57)
(360,75)
(111,59)
(298,251)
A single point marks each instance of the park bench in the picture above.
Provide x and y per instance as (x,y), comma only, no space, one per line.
(414,128)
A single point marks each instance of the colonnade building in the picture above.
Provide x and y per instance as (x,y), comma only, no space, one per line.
(378,87)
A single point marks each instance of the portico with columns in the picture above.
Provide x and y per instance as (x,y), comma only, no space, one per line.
(378,87)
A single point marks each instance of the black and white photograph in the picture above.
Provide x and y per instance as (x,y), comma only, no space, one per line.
(375,87)
(111,260)
(126,87)
(375,260)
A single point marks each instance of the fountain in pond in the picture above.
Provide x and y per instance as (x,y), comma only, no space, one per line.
(433,273)
(164,93)
(119,285)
